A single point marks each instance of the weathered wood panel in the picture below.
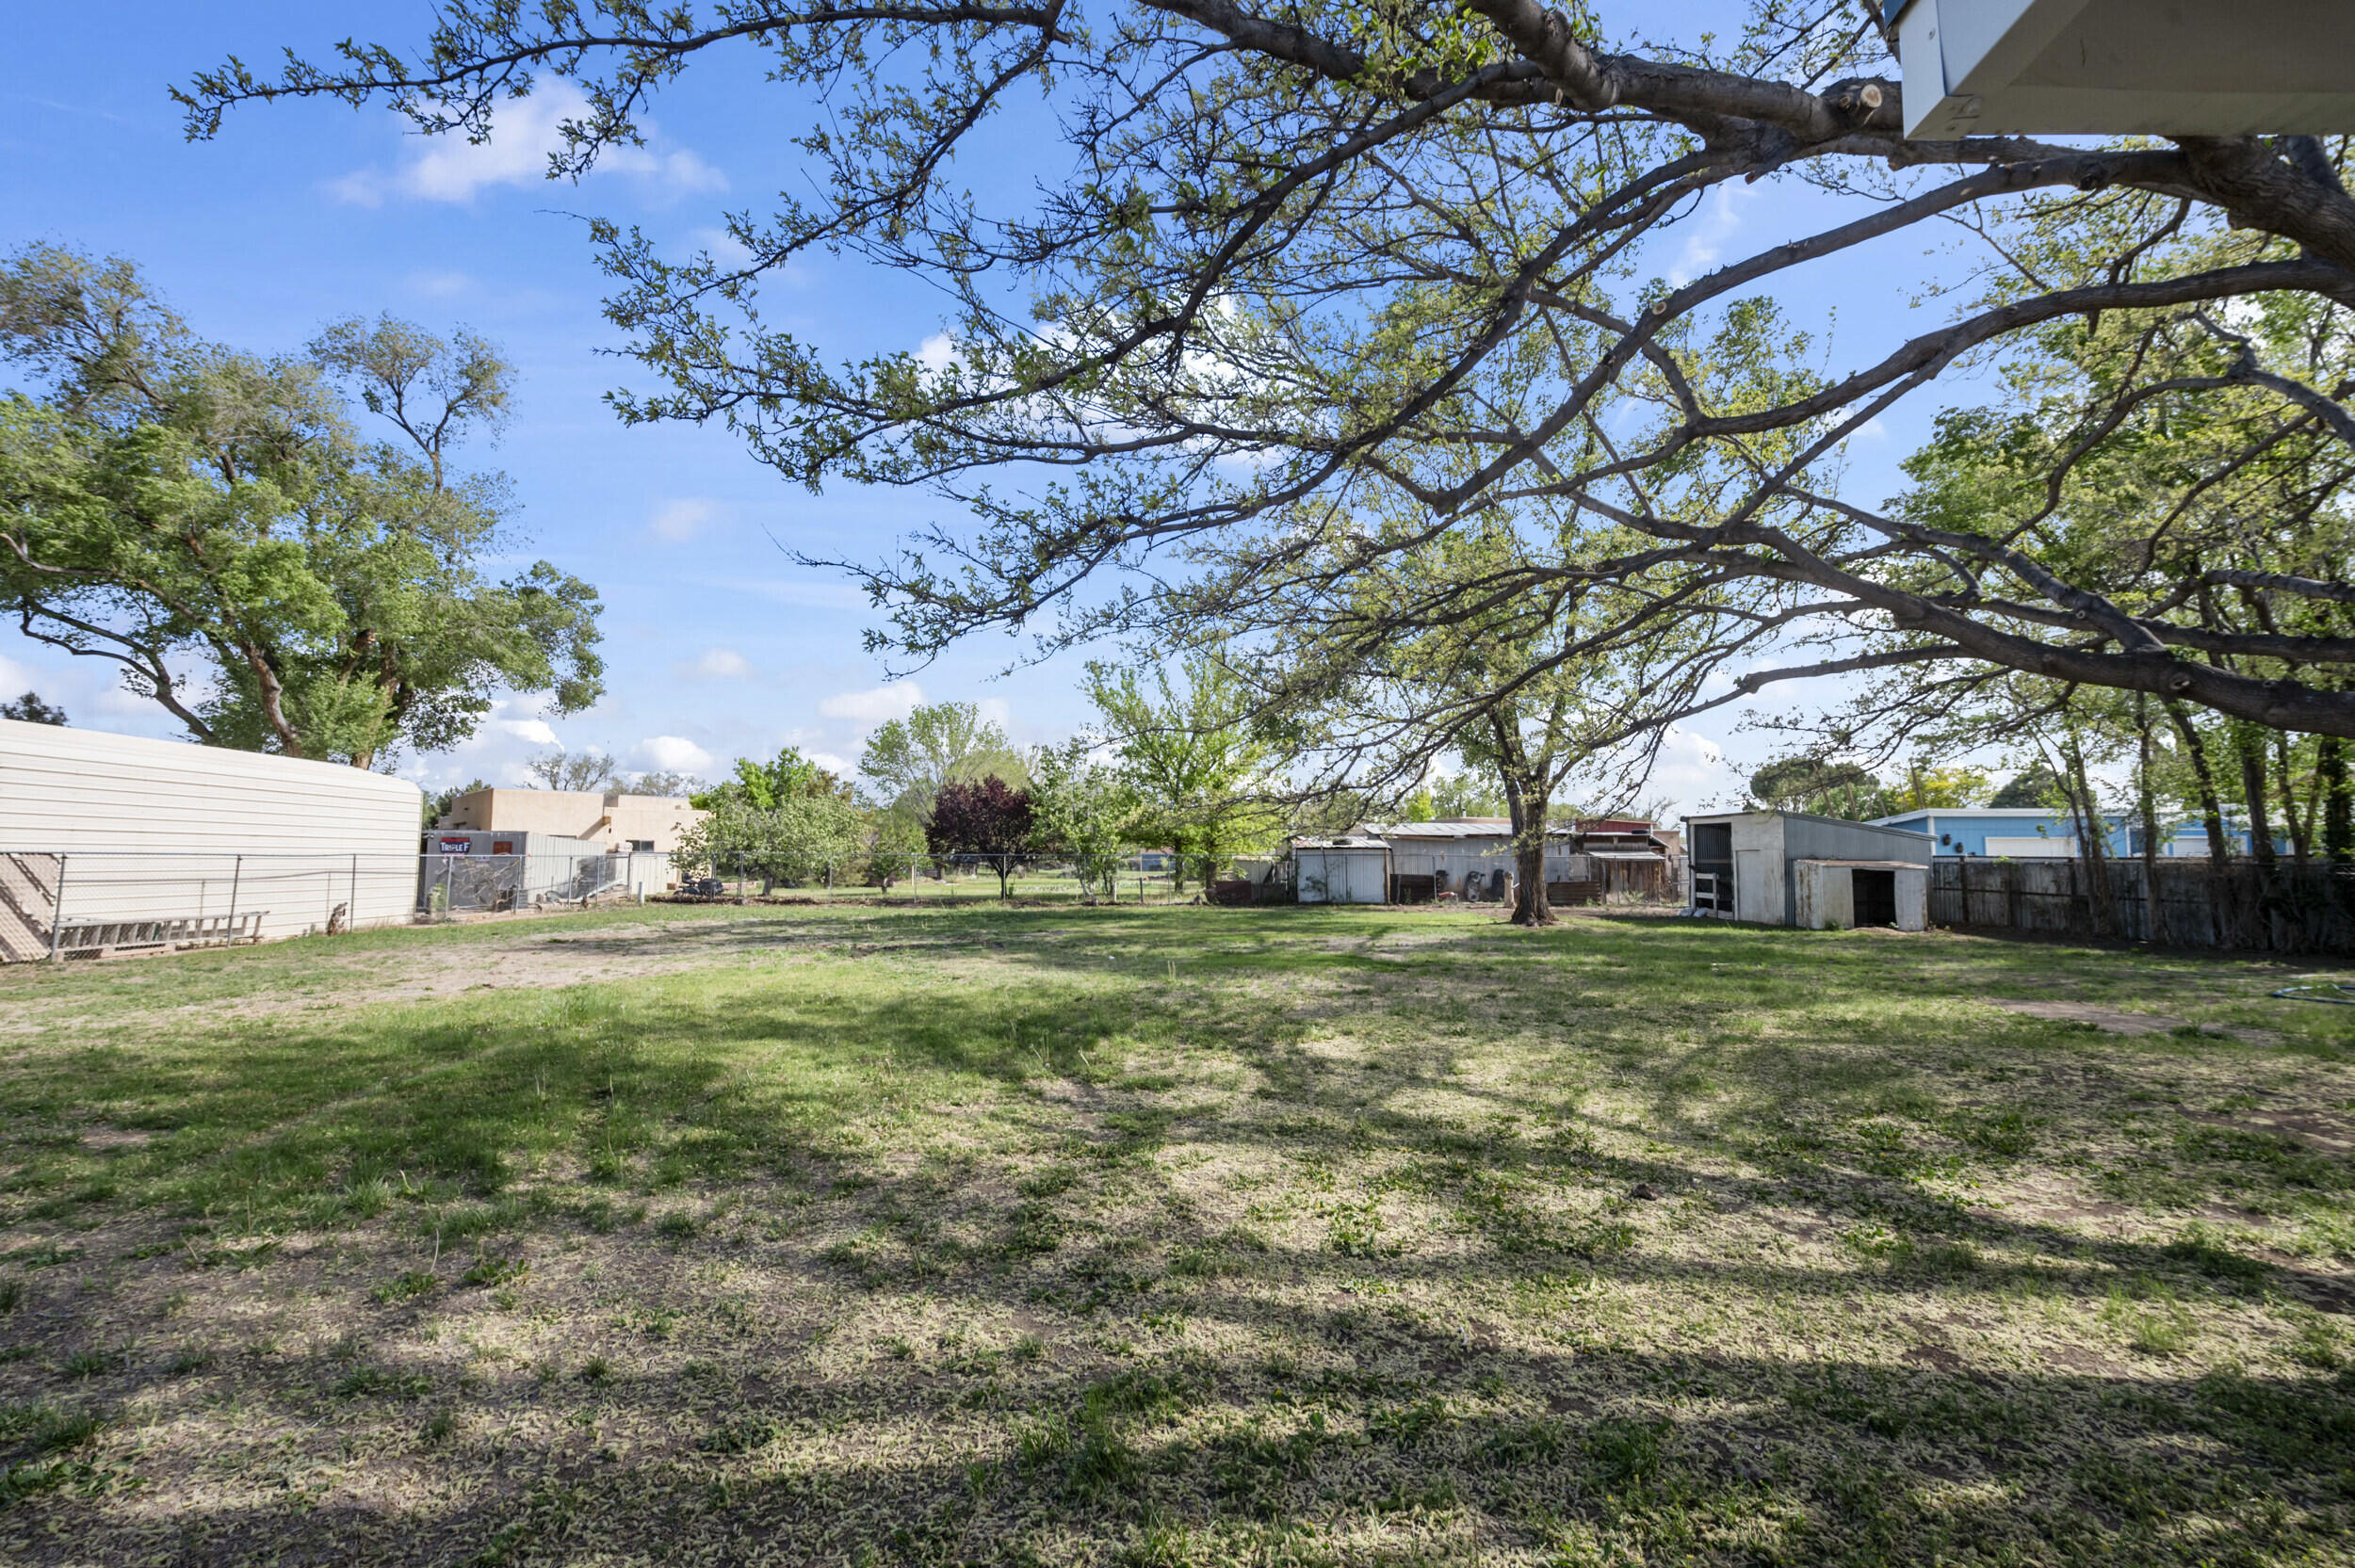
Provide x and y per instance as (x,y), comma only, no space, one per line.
(2290,910)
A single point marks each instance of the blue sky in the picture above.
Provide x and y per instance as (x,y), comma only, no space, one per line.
(718,644)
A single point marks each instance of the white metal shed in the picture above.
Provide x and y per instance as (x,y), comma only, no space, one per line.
(1748,865)
(113,841)
(1839,895)
(1349,870)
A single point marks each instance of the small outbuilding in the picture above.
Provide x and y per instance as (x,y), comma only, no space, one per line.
(1473,857)
(1790,868)
(1352,869)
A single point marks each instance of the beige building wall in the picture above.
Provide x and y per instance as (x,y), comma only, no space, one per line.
(614,822)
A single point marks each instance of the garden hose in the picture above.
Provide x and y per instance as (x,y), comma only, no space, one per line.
(2344,993)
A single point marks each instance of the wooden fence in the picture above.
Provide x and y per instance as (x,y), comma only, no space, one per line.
(2293,909)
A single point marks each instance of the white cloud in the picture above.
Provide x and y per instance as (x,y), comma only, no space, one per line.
(725,249)
(936,352)
(1692,770)
(1707,233)
(678,171)
(671,753)
(895,700)
(717,664)
(676,522)
(831,763)
(449,167)
(533,730)
(441,285)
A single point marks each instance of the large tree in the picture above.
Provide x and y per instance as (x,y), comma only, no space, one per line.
(787,776)
(938,743)
(1534,686)
(216,526)
(575,771)
(990,818)
(1083,806)
(1194,764)
(1329,257)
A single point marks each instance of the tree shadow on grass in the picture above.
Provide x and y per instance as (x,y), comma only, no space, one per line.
(1095,1368)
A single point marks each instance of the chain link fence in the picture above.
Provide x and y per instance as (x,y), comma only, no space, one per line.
(88,904)
(733,874)
(94,903)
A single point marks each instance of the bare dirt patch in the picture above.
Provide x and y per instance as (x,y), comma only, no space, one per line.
(2114,1020)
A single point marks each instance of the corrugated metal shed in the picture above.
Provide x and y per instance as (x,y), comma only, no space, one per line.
(1834,895)
(1466,856)
(1743,861)
(163,830)
(1351,869)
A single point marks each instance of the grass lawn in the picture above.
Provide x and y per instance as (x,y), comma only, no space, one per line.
(1173,1235)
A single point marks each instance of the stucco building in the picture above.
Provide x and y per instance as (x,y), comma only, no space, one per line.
(615,823)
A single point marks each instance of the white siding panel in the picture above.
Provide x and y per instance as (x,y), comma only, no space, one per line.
(156,830)
(2032,846)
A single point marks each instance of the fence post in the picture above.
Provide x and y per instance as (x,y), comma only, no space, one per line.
(57,914)
(351,914)
(237,875)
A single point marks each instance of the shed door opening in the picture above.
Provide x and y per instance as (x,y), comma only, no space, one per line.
(1876,897)
(1713,856)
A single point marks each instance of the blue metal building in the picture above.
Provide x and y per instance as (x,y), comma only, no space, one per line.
(1998,831)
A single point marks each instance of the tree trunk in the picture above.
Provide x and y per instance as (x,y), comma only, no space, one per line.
(2300,824)
(2092,834)
(2210,805)
(2338,812)
(2338,820)
(1531,906)
(2211,818)
(2249,741)
(1527,805)
(2153,914)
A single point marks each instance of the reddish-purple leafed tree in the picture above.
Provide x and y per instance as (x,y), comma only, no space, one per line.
(990,818)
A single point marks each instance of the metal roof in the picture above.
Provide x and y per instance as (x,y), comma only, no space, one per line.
(1801,816)
(1454,829)
(2042,813)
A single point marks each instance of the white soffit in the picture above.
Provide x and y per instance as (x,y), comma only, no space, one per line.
(2126,67)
